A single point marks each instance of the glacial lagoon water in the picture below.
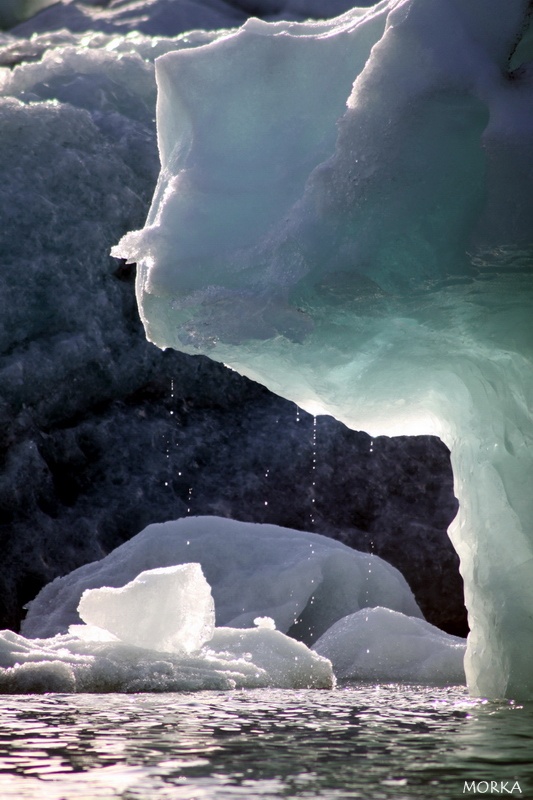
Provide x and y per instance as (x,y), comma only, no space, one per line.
(367,742)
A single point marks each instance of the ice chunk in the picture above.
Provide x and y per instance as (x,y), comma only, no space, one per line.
(288,663)
(303,581)
(343,214)
(69,663)
(157,634)
(265,622)
(378,644)
(169,609)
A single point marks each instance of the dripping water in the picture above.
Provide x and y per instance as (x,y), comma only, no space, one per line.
(168,441)
(370,559)
(313,476)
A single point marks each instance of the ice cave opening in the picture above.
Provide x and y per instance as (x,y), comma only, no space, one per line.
(358,239)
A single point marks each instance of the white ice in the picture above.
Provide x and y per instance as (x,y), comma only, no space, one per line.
(183,615)
(304,581)
(378,644)
(157,633)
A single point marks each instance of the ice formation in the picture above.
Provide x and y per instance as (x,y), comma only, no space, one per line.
(157,634)
(185,617)
(303,581)
(85,399)
(156,17)
(343,214)
(378,644)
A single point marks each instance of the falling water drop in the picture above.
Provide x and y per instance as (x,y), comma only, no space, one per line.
(313,474)
(167,440)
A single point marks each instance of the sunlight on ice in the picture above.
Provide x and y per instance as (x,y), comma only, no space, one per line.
(154,630)
(358,239)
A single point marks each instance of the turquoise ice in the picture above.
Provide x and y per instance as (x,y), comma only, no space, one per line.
(343,213)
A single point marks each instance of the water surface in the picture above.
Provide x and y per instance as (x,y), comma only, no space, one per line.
(367,742)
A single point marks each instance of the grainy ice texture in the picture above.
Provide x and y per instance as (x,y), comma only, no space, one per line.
(100,432)
(156,634)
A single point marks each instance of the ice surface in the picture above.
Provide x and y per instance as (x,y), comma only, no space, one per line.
(358,238)
(287,663)
(69,663)
(378,644)
(182,611)
(161,17)
(157,634)
(87,416)
(303,581)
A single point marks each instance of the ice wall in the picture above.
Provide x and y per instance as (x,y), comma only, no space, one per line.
(342,214)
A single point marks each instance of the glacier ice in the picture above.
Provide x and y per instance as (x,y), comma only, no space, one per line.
(378,644)
(86,409)
(156,17)
(157,634)
(358,238)
(303,581)
(157,631)
(182,617)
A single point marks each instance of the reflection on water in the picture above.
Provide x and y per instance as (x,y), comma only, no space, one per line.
(369,742)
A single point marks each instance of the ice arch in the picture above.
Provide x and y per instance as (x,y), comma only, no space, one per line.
(343,213)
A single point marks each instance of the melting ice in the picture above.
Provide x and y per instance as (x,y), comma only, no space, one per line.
(357,237)
(343,213)
(154,629)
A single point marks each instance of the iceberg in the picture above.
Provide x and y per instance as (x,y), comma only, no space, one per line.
(101,433)
(185,617)
(304,582)
(342,214)
(157,634)
(378,644)
(156,631)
